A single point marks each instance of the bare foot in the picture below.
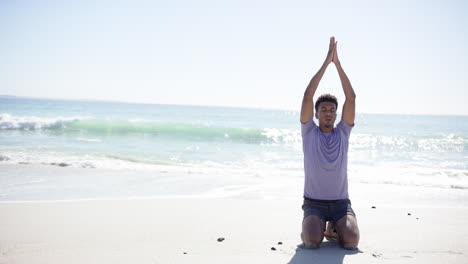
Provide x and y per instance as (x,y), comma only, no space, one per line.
(330,232)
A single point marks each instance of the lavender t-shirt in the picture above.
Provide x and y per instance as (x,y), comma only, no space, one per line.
(325,161)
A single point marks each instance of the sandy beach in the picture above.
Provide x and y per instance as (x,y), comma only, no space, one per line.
(182,132)
(185,230)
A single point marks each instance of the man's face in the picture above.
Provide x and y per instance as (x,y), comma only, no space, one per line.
(326,114)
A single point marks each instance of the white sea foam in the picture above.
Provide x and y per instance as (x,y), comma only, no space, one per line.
(391,173)
(10,122)
(89,139)
(278,135)
(443,143)
(438,143)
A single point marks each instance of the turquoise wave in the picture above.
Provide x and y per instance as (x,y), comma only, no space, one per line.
(166,130)
(84,126)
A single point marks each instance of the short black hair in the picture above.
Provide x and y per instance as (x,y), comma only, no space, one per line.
(326,98)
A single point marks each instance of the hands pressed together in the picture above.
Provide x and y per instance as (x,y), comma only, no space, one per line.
(332,55)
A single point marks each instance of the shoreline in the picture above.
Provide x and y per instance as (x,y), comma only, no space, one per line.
(41,183)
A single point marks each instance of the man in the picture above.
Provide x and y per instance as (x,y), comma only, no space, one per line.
(325,162)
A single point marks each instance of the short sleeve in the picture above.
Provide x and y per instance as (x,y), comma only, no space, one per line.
(345,127)
(308,126)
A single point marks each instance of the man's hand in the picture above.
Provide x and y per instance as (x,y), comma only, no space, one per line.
(335,54)
(331,51)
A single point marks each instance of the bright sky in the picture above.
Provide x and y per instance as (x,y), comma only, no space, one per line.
(401,56)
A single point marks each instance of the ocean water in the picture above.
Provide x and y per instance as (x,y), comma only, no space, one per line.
(62,150)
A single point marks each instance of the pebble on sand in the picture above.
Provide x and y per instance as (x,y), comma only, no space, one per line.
(280,243)
(61,164)
(273,248)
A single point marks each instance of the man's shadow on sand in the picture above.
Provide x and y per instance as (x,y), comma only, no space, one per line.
(330,252)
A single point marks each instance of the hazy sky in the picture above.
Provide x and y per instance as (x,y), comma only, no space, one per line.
(401,56)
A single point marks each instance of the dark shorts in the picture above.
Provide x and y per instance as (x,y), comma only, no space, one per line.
(327,210)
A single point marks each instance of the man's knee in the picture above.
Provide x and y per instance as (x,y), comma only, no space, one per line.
(312,231)
(311,240)
(350,239)
(348,232)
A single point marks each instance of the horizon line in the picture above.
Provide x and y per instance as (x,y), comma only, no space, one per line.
(201,105)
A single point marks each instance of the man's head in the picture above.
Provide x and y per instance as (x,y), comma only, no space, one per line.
(325,110)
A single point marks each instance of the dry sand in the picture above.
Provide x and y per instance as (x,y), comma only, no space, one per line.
(185,230)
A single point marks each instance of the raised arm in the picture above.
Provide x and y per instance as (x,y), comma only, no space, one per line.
(349,106)
(307,110)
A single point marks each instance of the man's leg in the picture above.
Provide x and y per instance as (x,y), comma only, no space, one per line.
(348,231)
(312,231)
